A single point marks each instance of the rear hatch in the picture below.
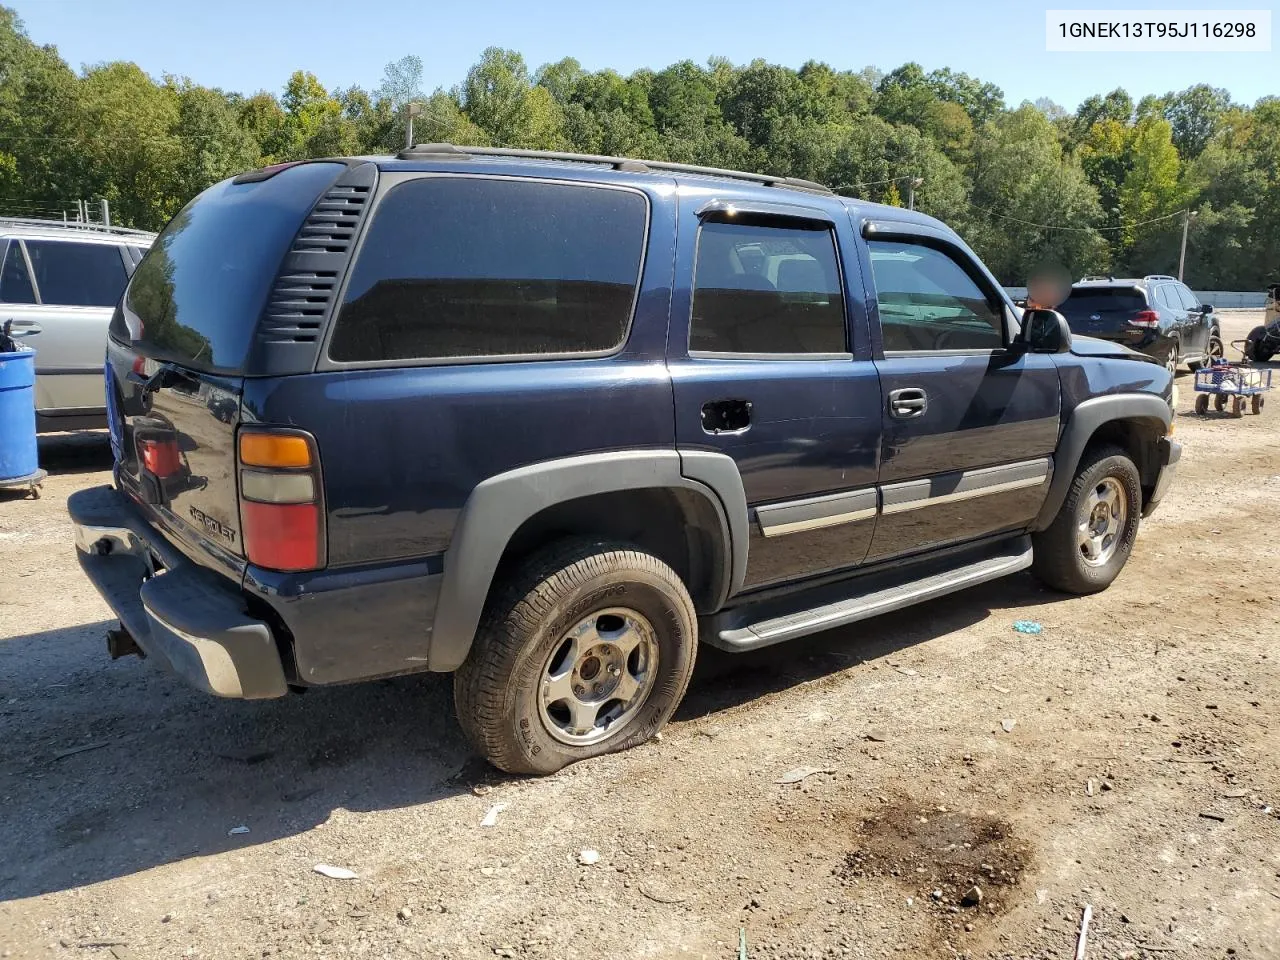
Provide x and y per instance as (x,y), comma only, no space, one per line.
(179,349)
(1105,312)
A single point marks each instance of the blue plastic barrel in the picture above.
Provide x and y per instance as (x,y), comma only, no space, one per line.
(18,415)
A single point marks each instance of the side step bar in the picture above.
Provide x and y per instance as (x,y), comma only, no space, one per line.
(1013,557)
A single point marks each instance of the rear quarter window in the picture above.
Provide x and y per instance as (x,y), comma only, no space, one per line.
(199,292)
(486,268)
(70,274)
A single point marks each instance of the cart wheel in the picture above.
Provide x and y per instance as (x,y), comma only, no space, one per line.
(35,492)
(1219,402)
(1202,404)
(1259,401)
(1237,407)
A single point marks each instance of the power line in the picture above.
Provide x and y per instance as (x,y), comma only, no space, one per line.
(1052,226)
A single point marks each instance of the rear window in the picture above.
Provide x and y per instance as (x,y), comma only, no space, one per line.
(197,295)
(1103,300)
(461,267)
(70,274)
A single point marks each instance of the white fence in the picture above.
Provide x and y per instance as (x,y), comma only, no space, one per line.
(1224,299)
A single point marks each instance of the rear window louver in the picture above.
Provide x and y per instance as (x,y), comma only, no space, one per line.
(303,294)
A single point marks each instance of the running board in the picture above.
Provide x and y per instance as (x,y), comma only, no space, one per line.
(1012,557)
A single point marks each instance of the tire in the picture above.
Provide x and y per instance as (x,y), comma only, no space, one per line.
(1059,557)
(1171,361)
(576,592)
(1237,407)
(1219,402)
(1259,401)
(1213,351)
(1254,349)
(1202,404)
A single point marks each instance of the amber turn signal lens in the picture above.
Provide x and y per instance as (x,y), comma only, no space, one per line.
(273,450)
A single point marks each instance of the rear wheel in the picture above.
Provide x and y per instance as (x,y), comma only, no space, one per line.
(1254,348)
(586,649)
(1202,404)
(1259,401)
(1219,402)
(1237,407)
(1171,361)
(1089,541)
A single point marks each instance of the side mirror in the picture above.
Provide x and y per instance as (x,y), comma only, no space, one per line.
(1046,331)
(1206,308)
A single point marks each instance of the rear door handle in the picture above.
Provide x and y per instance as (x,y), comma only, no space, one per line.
(20,328)
(907,403)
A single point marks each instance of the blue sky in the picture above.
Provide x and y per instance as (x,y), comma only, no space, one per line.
(249,46)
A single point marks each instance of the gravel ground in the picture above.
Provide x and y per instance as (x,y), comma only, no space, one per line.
(1127,758)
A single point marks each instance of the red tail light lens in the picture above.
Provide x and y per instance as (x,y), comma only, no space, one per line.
(281,499)
(282,536)
(1145,318)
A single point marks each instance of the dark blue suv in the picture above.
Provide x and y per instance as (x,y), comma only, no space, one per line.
(546,421)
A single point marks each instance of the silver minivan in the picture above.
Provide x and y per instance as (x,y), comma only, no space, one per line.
(59,284)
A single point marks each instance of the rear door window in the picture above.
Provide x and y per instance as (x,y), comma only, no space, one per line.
(456,267)
(766,290)
(15,283)
(198,294)
(70,274)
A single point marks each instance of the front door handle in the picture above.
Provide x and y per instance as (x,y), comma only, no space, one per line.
(726,416)
(907,403)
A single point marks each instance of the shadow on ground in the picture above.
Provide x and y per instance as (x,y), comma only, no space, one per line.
(170,770)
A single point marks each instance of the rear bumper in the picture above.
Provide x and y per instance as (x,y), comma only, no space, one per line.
(190,619)
(1170,454)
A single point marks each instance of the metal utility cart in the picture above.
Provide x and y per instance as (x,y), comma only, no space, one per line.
(1237,384)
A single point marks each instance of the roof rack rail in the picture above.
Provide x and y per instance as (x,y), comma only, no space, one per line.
(76,225)
(1096,276)
(629,164)
(1158,276)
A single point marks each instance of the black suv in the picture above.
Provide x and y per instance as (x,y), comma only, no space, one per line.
(549,420)
(1157,315)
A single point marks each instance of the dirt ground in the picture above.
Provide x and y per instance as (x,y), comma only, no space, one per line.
(1127,758)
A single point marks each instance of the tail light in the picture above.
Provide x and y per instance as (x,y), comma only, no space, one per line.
(281,499)
(1145,318)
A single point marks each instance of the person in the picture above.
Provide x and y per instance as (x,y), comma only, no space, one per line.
(1048,286)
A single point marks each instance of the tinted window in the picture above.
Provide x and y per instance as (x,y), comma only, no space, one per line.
(1189,301)
(773,290)
(1102,300)
(15,284)
(77,274)
(928,302)
(1163,297)
(198,293)
(456,267)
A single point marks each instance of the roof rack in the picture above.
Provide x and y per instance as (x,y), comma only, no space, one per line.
(77,225)
(1158,276)
(1095,276)
(631,165)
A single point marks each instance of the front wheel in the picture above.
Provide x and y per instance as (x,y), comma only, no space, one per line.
(1086,546)
(586,649)
(1171,361)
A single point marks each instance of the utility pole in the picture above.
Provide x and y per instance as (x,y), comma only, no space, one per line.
(911,194)
(411,110)
(1187,215)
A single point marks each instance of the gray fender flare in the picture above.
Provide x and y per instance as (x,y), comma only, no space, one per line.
(499,505)
(1082,424)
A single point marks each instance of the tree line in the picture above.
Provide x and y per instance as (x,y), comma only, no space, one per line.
(1100,190)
